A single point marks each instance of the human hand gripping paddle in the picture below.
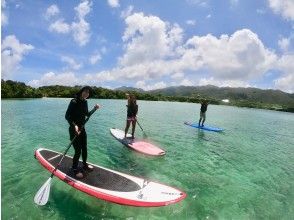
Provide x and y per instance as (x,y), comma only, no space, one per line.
(42,196)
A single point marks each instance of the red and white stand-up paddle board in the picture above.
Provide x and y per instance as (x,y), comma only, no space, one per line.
(111,185)
(139,145)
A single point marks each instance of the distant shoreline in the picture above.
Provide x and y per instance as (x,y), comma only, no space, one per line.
(279,110)
(239,97)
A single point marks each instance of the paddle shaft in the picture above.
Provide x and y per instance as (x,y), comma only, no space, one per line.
(140,125)
(145,135)
(52,174)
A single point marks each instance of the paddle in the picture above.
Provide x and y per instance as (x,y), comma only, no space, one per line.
(42,196)
(144,134)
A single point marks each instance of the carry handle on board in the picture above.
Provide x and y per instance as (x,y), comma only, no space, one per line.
(42,196)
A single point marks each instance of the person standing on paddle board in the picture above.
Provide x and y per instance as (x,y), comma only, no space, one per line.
(131,114)
(76,114)
(203,110)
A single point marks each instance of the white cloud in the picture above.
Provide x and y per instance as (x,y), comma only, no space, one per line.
(283,7)
(222,83)
(80,29)
(284,43)
(286,65)
(148,38)
(201,3)
(51,78)
(4,17)
(144,71)
(81,32)
(127,12)
(208,16)
(154,49)
(285,83)
(60,27)
(113,3)
(51,11)
(12,53)
(100,77)
(191,22)
(95,58)
(186,82)
(83,9)
(240,56)
(178,75)
(158,85)
(72,64)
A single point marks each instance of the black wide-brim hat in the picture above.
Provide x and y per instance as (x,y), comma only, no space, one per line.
(83,89)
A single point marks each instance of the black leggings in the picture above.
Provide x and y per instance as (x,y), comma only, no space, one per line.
(80,146)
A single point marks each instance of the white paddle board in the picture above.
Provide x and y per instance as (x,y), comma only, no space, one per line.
(110,185)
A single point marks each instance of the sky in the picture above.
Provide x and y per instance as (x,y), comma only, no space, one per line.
(149,44)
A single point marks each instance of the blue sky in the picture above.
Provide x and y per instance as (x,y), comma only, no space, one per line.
(149,44)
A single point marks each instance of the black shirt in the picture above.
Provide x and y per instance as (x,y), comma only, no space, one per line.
(132,110)
(77,112)
(203,107)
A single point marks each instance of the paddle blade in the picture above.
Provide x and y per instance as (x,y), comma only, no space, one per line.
(42,196)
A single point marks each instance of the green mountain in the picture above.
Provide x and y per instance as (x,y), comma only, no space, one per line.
(129,89)
(233,94)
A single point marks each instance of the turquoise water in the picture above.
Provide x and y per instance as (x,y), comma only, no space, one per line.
(246,172)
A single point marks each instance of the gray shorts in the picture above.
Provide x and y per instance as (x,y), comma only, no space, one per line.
(202,115)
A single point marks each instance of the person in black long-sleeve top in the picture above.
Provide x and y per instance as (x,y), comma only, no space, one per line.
(76,114)
(131,114)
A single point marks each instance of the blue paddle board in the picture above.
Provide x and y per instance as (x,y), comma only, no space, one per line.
(207,128)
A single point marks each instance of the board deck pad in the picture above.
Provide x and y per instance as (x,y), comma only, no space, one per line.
(207,128)
(111,185)
(99,177)
(136,144)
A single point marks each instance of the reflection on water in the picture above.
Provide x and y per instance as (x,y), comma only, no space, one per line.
(201,134)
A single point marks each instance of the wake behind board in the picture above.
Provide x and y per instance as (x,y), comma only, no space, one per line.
(136,144)
(110,185)
(207,128)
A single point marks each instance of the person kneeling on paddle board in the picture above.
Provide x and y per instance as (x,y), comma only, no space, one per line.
(203,110)
(76,114)
(131,114)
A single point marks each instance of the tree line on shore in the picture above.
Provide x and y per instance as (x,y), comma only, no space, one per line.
(13,89)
